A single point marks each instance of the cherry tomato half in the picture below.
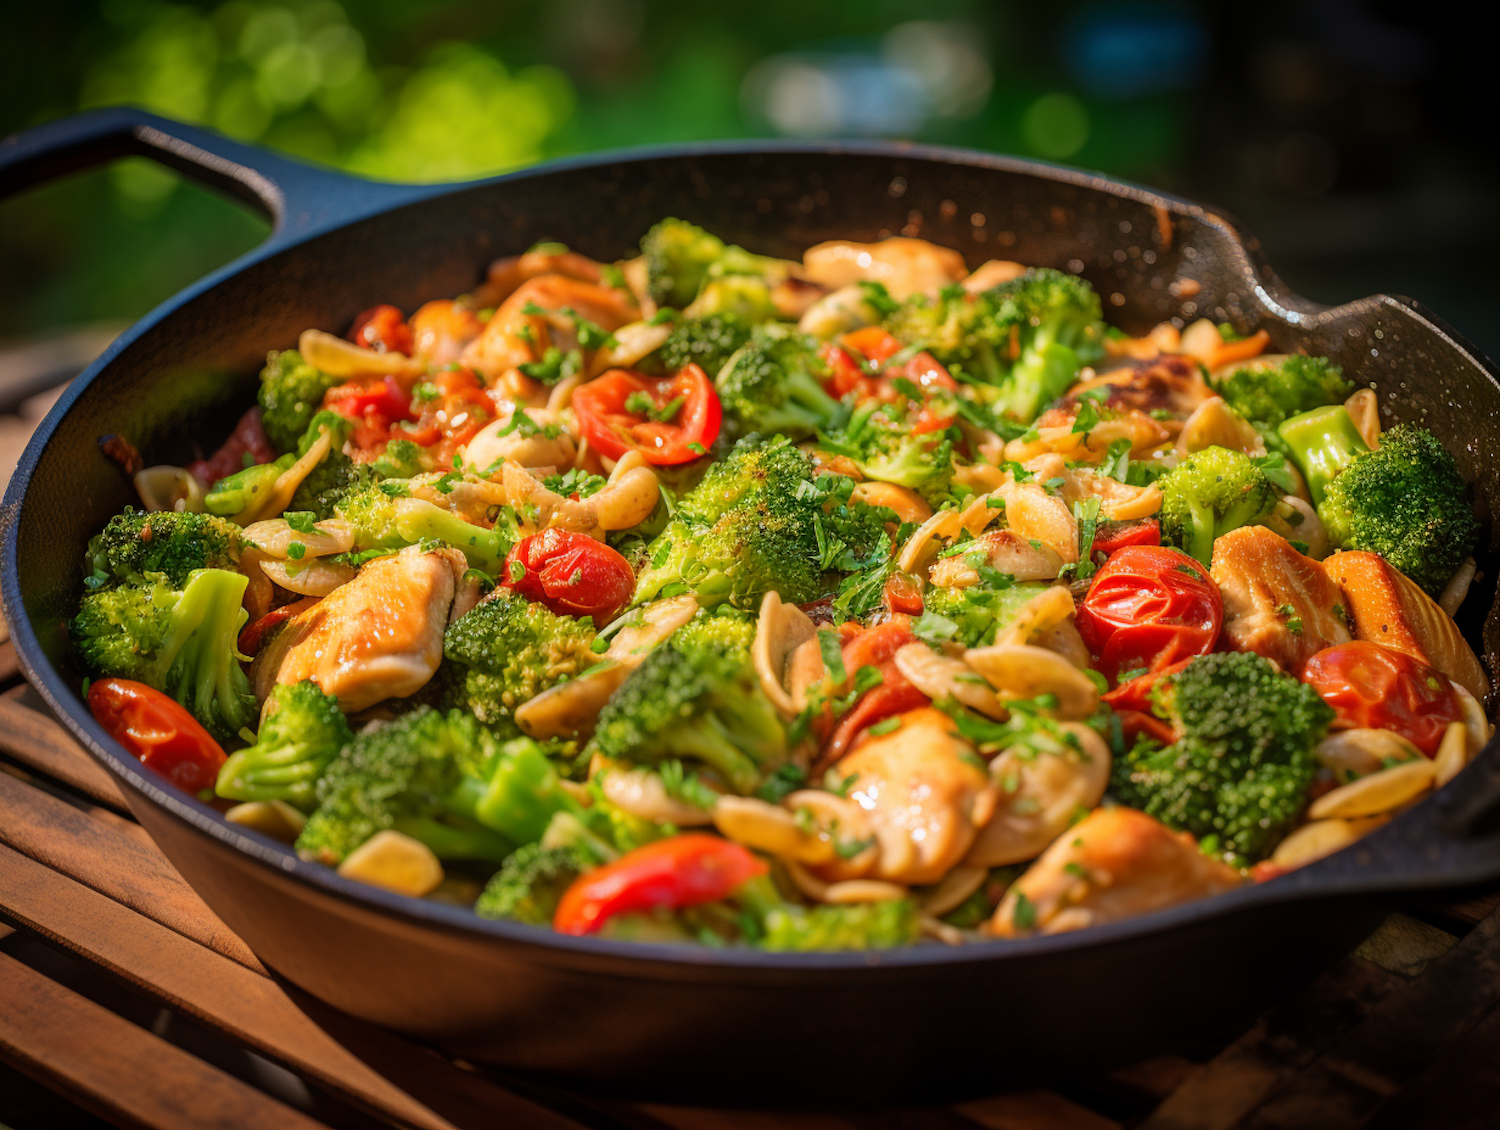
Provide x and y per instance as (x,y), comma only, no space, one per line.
(1149,606)
(669,421)
(676,872)
(894,694)
(1380,688)
(903,594)
(571,573)
(158,731)
(382,328)
(1115,536)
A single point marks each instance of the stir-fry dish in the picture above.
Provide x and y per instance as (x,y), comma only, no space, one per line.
(834,604)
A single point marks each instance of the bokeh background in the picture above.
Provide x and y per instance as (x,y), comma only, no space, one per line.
(1353,138)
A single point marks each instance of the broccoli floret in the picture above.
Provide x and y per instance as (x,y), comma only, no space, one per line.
(1407,502)
(788,926)
(291,392)
(771,385)
(303,730)
(443,779)
(697,696)
(977,612)
(409,775)
(1210,493)
(741,532)
(181,642)
(1243,761)
(162,542)
(681,257)
(1026,338)
(1267,392)
(401,459)
(508,650)
(531,883)
(879,440)
(707,342)
(761,520)
(747,297)
(383,516)
(857,926)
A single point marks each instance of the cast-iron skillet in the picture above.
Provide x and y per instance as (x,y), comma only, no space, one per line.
(726,1027)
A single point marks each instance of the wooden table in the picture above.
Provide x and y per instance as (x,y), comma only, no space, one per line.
(121,990)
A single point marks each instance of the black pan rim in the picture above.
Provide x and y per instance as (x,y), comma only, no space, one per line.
(1316,880)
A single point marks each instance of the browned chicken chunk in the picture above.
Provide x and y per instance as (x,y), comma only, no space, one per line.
(514,337)
(1115,863)
(1171,382)
(925,793)
(905,266)
(1387,607)
(1277,603)
(379,636)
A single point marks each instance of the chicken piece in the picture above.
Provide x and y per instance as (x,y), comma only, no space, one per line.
(379,636)
(1119,502)
(506,275)
(513,337)
(441,330)
(1115,863)
(1055,435)
(905,266)
(991,274)
(1169,382)
(925,793)
(1005,550)
(1387,607)
(1277,603)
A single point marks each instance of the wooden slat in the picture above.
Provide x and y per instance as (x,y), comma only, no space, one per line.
(119,1071)
(1285,1040)
(112,862)
(35,740)
(1034,1110)
(248,1007)
(10,666)
(1404,1033)
(1460,1090)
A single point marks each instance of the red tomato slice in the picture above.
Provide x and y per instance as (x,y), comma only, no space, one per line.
(382,328)
(1149,606)
(571,573)
(158,731)
(673,873)
(872,647)
(361,399)
(874,343)
(1135,694)
(845,373)
(1380,688)
(903,594)
(1115,536)
(614,425)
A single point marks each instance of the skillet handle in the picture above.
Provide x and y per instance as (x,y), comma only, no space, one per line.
(300,200)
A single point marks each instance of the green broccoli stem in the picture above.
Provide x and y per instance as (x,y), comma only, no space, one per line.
(455,841)
(237,493)
(523,794)
(1323,442)
(417,519)
(199,660)
(1201,539)
(707,739)
(283,774)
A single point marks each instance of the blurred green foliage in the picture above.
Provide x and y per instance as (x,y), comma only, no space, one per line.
(449,89)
